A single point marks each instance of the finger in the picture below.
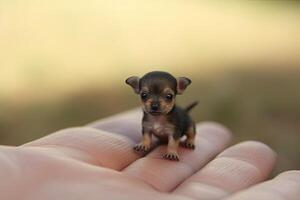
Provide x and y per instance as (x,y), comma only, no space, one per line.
(107,142)
(236,168)
(285,186)
(128,124)
(90,145)
(33,173)
(164,175)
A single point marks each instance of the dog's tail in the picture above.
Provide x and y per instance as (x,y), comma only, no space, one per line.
(191,106)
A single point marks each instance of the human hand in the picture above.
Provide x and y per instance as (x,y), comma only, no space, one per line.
(98,162)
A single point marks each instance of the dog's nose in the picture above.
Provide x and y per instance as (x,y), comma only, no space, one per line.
(154,106)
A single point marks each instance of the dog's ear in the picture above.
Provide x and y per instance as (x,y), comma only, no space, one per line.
(133,81)
(182,83)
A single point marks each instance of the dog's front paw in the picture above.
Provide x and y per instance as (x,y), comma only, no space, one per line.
(188,145)
(171,156)
(141,148)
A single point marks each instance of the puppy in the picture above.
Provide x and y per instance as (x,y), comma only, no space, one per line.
(162,117)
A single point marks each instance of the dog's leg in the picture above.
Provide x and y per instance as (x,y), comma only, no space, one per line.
(172,149)
(145,144)
(190,137)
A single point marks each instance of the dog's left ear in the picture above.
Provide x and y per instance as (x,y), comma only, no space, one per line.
(182,83)
(133,81)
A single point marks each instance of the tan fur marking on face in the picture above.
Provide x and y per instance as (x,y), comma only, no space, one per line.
(173,145)
(167,105)
(168,91)
(146,104)
(144,89)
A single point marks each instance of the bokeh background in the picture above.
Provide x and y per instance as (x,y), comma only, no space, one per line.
(63,63)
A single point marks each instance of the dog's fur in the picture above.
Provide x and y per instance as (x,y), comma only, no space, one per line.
(162,117)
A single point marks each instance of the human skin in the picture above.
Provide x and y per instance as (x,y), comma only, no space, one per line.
(97,162)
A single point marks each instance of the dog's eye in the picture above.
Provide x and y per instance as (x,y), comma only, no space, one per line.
(144,95)
(169,96)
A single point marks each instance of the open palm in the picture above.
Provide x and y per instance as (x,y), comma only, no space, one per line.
(97,162)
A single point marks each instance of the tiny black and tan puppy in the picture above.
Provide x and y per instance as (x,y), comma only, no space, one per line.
(162,117)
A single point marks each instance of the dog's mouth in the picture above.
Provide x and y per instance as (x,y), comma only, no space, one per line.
(152,112)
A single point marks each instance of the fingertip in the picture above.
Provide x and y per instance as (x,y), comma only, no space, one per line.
(214,132)
(284,186)
(293,175)
(236,168)
(127,123)
(214,126)
(256,153)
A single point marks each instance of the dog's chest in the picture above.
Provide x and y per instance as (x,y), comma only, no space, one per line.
(159,126)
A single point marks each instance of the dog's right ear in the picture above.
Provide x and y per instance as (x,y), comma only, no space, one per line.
(133,81)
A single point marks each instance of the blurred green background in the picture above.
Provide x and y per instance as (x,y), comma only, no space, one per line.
(63,63)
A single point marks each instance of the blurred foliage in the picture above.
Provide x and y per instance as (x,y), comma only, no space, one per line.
(254,104)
